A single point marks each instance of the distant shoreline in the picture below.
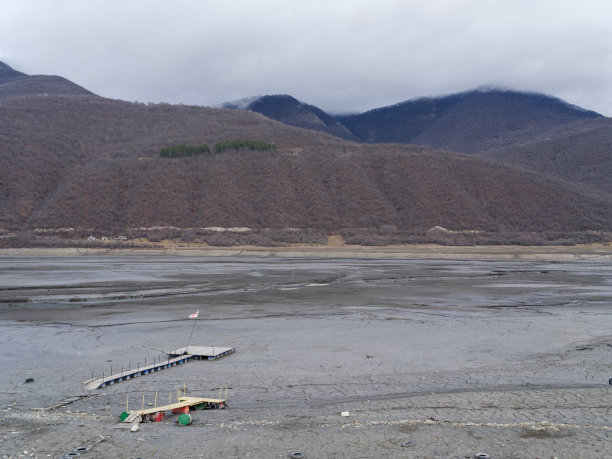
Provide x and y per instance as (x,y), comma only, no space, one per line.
(576,252)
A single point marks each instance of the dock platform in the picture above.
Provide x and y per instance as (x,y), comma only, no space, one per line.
(176,357)
(202,352)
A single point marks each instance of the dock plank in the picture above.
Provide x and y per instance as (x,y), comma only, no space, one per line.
(134,372)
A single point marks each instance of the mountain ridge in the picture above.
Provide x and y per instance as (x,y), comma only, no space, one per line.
(489,122)
(14,84)
(93,164)
(7,73)
(287,109)
(435,121)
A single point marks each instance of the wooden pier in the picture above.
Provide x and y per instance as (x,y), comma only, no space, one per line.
(175,357)
(181,406)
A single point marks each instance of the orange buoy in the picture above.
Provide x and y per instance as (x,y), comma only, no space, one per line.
(184,409)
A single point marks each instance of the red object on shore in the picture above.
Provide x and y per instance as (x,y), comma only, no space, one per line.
(183,410)
(159,416)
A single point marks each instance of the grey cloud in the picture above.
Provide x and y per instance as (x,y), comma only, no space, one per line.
(346,55)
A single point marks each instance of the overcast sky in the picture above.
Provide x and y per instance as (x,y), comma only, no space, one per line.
(341,55)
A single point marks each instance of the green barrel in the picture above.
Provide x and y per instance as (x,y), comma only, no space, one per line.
(124,416)
(184,419)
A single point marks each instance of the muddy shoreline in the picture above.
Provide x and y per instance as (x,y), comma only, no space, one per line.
(508,357)
(427,251)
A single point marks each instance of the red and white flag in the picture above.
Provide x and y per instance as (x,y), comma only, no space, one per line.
(194,315)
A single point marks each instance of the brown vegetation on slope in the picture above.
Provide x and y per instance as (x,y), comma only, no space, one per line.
(93,163)
(580,153)
(46,142)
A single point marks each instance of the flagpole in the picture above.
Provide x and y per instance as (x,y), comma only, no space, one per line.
(192,328)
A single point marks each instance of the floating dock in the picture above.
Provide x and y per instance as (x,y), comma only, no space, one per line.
(176,357)
(202,352)
(183,406)
(184,402)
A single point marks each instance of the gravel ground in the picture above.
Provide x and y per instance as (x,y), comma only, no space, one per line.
(459,357)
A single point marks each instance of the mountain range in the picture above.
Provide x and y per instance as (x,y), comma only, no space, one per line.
(467,122)
(489,166)
(530,130)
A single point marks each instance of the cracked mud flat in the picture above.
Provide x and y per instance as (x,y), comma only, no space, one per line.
(508,358)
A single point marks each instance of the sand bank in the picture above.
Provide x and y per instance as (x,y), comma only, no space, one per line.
(575,252)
